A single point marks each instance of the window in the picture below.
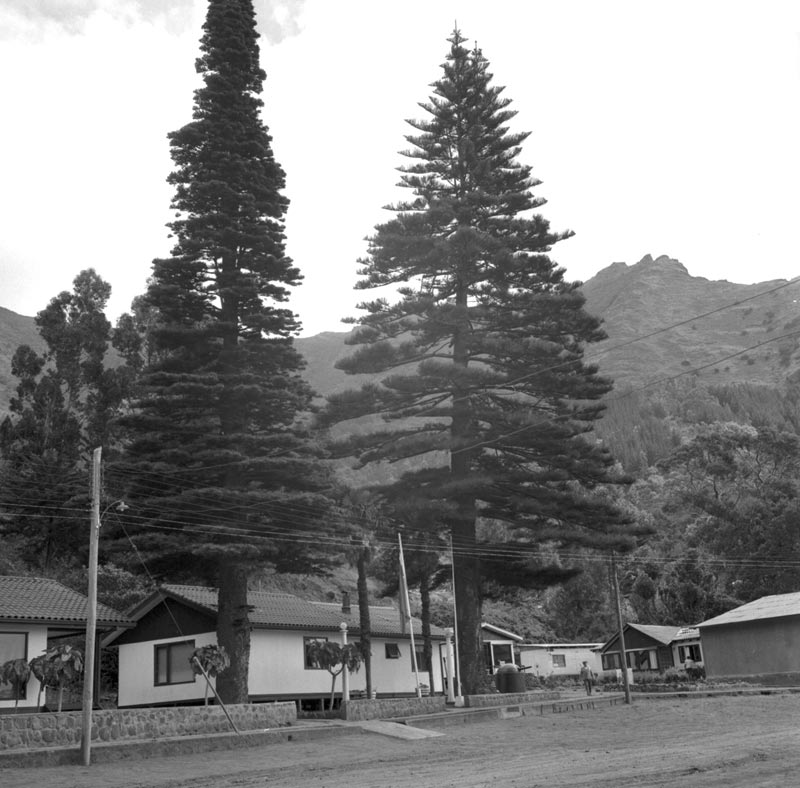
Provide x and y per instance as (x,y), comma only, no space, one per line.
(643,660)
(309,661)
(172,663)
(611,661)
(422,663)
(691,651)
(13,645)
(559,660)
(392,651)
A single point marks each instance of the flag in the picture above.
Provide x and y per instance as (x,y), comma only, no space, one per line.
(405,609)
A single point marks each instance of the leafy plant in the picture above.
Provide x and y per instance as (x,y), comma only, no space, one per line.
(334,658)
(63,666)
(43,673)
(209,661)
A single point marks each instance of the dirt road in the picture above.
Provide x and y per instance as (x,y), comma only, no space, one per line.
(709,742)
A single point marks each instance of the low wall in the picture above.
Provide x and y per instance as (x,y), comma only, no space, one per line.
(509,698)
(387,708)
(65,729)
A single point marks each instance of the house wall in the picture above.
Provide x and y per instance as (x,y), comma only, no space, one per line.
(277,667)
(137,685)
(36,646)
(540,659)
(752,648)
(277,670)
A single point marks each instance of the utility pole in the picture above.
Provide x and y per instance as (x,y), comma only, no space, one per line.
(615,582)
(91,614)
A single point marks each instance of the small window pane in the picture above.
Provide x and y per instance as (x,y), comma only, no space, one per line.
(392,651)
(559,660)
(13,645)
(180,670)
(172,663)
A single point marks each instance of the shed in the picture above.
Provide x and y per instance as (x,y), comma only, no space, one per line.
(759,640)
(498,646)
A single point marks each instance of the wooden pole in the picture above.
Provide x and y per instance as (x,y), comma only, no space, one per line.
(407,601)
(214,690)
(625,680)
(459,699)
(91,613)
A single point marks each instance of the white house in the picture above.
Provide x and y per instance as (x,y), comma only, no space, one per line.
(34,611)
(154,656)
(559,659)
(654,648)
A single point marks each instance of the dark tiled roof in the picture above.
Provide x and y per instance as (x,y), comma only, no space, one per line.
(273,610)
(774,606)
(39,600)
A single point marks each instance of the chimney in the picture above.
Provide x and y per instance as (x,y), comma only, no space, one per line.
(345,602)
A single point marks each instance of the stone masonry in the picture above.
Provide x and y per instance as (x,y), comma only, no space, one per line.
(147,724)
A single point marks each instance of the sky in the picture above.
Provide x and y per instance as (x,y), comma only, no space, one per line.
(655,128)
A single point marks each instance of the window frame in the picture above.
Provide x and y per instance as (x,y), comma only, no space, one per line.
(307,663)
(559,660)
(688,651)
(392,651)
(612,661)
(166,648)
(7,690)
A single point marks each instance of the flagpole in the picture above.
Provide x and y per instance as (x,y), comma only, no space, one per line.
(405,601)
(459,698)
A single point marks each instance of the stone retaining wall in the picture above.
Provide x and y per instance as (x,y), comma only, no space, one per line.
(508,699)
(387,708)
(65,729)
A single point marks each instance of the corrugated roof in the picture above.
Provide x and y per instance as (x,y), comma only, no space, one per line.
(502,632)
(663,635)
(561,645)
(275,610)
(40,600)
(775,606)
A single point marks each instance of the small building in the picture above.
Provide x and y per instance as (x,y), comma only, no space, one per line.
(36,612)
(154,666)
(655,648)
(757,641)
(559,659)
(498,646)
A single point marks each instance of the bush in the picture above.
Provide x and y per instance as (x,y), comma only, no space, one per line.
(696,672)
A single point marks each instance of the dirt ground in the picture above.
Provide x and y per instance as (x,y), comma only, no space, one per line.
(721,741)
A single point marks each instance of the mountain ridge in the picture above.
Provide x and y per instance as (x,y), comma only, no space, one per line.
(661,322)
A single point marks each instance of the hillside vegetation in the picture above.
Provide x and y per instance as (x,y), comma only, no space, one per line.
(705,416)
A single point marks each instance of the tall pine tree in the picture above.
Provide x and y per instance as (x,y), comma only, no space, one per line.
(479,363)
(220,475)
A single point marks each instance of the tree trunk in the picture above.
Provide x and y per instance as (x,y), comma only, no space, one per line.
(333,689)
(233,632)
(363,616)
(468,605)
(466,567)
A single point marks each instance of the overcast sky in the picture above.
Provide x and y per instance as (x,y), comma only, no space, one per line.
(662,128)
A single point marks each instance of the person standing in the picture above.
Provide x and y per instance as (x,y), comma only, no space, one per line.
(587,677)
